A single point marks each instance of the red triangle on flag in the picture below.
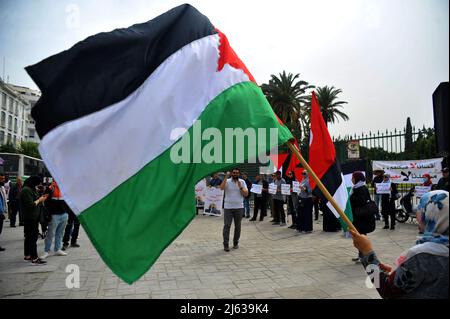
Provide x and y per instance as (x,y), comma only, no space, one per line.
(278,159)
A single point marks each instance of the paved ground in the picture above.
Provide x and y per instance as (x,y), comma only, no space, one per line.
(272,262)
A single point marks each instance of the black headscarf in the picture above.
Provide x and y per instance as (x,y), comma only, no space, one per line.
(32,182)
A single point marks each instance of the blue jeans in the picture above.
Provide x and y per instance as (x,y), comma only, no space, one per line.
(56,229)
(246,207)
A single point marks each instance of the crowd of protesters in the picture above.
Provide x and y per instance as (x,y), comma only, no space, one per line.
(420,272)
(38,206)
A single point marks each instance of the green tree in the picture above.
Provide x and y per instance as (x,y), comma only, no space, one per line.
(29,148)
(408,136)
(287,95)
(327,96)
(8,148)
(425,145)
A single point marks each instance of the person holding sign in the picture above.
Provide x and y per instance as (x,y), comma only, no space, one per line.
(260,199)
(304,220)
(278,201)
(388,202)
(235,192)
(292,199)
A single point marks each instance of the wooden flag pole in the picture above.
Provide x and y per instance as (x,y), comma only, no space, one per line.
(325,192)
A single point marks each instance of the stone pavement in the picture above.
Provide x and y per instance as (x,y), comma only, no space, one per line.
(272,262)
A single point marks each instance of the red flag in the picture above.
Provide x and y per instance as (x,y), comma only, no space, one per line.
(278,159)
(294,162)
(322,154)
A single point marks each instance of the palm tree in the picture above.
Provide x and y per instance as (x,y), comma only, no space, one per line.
(326,96)
(287,95)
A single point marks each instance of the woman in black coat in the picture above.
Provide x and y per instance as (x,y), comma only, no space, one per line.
(363,221)
(388,203)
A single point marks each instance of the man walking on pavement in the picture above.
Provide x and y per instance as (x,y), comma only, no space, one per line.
(235,190)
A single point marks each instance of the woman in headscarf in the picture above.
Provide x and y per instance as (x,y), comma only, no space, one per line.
(421,271)
(388,203)
(29,204)
(427,181)
(292,200)
(304,220)
(359,197)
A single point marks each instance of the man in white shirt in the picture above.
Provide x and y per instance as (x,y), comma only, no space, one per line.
(235,191)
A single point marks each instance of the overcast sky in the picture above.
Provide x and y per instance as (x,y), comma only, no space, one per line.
(387,56)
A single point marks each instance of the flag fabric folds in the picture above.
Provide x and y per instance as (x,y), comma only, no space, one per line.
(323,161)
(106,118)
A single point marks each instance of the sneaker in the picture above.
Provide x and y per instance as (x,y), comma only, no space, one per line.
(252,219)
(356,259)
(74,245)
(392,228)
(27,258)
(226,248)
(60,253)
(45,255)
(2,249)
(236,246)
(38,261)
(12,226)
(386,227)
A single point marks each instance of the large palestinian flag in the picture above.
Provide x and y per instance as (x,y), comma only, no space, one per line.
(323,161)
(109,108)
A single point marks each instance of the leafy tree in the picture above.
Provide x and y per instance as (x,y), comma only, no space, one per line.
(408,136)
(287,95)
(8,148)
(30,149)
(327,96)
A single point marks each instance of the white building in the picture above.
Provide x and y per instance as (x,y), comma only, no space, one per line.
(31,97)
(16,124)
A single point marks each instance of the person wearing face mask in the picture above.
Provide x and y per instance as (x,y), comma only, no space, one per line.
(421,272)
(30,203)
(427,180)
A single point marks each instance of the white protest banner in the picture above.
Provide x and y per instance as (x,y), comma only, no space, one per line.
(421,190)
(285,189)
(256,188)
(411,172)
(296,187)
(383,188)
(200,189)
(272,188)
(213,201)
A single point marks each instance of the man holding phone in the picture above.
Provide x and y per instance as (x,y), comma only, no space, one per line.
(235,190)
